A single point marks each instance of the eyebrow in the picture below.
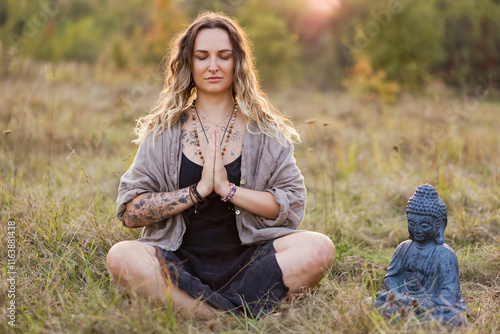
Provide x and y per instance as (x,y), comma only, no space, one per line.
(219,51)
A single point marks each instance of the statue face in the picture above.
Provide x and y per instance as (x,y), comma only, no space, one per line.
(422,229)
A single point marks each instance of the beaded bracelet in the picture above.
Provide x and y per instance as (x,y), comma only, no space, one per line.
(196,194)
(230,194)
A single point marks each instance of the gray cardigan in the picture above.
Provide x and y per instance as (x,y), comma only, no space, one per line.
(266,165)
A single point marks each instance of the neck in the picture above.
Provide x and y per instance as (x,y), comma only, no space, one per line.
(425,245)
(215,106)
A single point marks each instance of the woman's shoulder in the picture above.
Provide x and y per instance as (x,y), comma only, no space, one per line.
(162,137)
(276,140)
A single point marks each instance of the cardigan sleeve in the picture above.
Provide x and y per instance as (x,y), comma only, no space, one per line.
(286,183)
(144,175)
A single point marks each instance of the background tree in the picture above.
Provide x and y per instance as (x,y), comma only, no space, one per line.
(276,49)
(471,41)
(404,41)
(315,44)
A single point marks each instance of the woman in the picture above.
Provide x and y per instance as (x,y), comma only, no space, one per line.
(216,187)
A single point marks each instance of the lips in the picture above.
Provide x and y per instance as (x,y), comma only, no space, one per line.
(419,236)
(213,79)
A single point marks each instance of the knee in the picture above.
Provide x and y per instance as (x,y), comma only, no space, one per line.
(318,251)
(323,251)
(116,260)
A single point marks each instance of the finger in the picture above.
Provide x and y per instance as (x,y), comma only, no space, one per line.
(216,147)
(219,164)
(216,140)
(210,154)
(220,175)
(207,176)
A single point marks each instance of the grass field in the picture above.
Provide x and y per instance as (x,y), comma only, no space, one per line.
(71,128)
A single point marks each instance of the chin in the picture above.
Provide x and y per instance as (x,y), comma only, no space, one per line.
(214,89)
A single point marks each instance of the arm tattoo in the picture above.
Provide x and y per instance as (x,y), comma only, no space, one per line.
(150,208)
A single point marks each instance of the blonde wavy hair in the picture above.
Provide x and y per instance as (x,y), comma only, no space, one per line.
(179,88)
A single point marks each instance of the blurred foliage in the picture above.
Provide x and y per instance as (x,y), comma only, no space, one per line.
(401,42)
(278,61)
(311,43)
(370,85)
(472,41)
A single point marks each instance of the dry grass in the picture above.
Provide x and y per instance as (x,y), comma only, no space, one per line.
(71,130)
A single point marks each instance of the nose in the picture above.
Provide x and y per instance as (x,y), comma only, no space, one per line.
(213,67)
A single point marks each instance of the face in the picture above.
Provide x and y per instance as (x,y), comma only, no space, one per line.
(422,229)
(213,62)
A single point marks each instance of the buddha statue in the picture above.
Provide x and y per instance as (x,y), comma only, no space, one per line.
(423,275)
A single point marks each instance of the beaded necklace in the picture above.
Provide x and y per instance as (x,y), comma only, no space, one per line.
(228,129)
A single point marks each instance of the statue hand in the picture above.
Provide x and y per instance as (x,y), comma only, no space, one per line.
(406,301)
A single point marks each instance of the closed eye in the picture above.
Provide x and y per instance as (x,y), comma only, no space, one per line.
(225,55)
(222,54)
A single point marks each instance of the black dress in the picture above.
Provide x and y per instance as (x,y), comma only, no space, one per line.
(211,262)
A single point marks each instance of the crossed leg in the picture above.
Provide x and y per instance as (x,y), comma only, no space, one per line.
(304,259)
(135,268)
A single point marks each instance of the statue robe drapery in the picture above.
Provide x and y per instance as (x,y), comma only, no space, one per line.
(428,274)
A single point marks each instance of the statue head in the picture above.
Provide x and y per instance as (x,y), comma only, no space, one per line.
(427,215)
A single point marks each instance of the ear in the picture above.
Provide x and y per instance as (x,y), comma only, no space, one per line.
(440,233)
(410,236)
